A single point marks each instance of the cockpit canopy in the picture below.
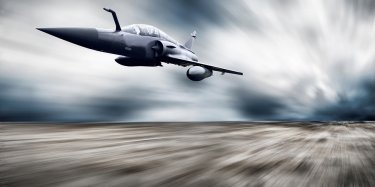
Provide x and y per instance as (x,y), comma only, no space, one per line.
(148,30)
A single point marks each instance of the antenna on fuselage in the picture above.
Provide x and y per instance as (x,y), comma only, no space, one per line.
(118,28)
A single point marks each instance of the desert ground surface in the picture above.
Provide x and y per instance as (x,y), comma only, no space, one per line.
(188,154)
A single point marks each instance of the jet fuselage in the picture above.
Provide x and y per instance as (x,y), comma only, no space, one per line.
(132,47)
(139,45)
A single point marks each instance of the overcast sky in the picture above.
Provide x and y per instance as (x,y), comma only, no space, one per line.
(302,60)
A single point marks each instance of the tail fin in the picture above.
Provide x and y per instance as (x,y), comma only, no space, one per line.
(189,44)
(118,28)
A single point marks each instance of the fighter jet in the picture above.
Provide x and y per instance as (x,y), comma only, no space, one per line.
(139,45)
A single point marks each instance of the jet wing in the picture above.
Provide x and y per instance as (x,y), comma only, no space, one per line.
(171,59)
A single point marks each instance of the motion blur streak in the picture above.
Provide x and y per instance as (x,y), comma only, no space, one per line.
(188,154)
(302,60)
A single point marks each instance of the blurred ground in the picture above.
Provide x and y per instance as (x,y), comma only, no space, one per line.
(188,154)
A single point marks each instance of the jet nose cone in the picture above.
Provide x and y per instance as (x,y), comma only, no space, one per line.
(43,29)
(86,37)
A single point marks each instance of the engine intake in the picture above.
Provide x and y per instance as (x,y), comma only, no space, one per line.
(198,73)
(161,48)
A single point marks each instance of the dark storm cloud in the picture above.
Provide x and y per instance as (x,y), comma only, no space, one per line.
(188,12)
(198,14)
(358,107)
(258,105)
(298,62)
(21,103)
(122,104)
(18,103)
(362,7)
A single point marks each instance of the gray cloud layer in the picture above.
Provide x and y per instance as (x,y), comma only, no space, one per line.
(303,60)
